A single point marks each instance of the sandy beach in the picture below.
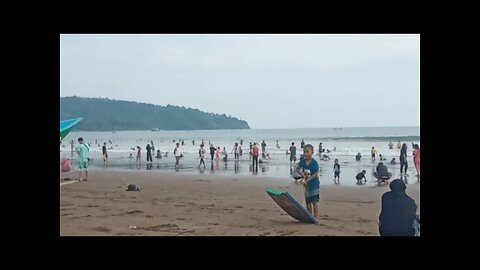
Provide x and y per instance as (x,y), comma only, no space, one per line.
(177,204)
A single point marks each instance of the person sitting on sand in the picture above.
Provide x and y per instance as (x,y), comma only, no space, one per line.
(382,157)
(166,155)
(66,165)
(358,157)
(393,162)
(382,172)
(398,212)
(131,155)
(360,177)
(325,157)
(159,154)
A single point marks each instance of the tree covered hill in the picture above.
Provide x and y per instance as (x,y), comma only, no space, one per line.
(102,114)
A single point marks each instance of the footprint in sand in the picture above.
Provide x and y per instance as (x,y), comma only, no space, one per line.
(103,229)
(134,212)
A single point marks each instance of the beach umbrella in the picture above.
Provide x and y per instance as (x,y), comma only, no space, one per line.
(67,125)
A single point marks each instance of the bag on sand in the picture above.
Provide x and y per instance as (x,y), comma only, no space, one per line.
(132,188)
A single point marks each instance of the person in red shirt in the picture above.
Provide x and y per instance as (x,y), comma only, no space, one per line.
(416,158)
(255,151)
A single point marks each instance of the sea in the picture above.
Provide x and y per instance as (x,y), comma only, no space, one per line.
(342,143)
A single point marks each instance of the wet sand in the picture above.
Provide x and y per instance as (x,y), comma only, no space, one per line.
(177,204)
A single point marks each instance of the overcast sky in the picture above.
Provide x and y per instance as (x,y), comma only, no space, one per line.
(271,81)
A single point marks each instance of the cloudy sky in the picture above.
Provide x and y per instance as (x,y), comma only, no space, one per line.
(271,81)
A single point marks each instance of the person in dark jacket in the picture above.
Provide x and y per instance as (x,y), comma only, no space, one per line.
(212,150)
(403,160)
(149,153)
(398,212)
(382,172)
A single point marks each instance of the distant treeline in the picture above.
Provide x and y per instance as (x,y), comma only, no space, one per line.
(102,114)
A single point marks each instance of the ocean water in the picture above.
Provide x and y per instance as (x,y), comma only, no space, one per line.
(347,141)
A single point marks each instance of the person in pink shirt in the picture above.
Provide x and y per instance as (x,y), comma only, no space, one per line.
(139,154)
(416,158)
(218,153)
(255,151)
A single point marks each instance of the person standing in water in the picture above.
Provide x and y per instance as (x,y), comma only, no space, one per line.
(212,150)
(218,152)
(399,145)
(236,151)
(202,153)
(293,153)
(302,144)
(416,158)
(336,171)
(255,157)
(403,159)
(264,145)
(250,153)
(241,142)
(178,155)
(105,155)
(278,145)
(320,149)
(390,145)
(149,153)
(139,154)
(374,152)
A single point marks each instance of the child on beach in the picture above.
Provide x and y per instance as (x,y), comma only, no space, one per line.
(361,176)
(336,170)
(218,152)
(139,154)
(310,181)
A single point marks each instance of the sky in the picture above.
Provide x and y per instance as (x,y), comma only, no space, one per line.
(268,80)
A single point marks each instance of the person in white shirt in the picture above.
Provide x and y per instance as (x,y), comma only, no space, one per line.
(202,152)
(177,154)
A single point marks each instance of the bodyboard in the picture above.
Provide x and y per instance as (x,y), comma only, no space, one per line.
(291,206)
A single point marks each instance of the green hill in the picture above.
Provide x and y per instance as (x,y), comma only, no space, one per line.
(102,114)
